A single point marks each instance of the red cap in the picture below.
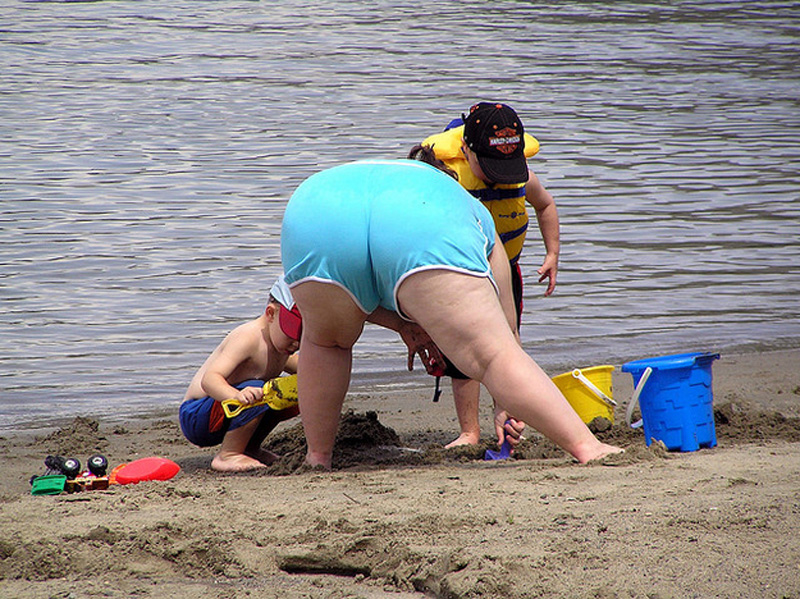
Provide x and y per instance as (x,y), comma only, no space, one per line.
(291,322)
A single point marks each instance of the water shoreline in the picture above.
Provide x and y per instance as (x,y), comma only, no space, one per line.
(400,383)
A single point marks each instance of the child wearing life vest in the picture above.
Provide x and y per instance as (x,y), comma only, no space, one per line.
(486,151)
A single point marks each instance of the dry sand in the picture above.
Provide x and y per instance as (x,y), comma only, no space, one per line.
(400,517)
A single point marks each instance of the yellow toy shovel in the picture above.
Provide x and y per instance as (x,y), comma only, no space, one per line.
(279,393)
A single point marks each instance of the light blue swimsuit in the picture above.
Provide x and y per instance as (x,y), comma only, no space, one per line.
(365,226)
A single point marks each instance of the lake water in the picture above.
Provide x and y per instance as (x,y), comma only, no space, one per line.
(148,148)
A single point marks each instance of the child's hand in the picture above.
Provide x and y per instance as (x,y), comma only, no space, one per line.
(507,428)
(249,395)
(548,270)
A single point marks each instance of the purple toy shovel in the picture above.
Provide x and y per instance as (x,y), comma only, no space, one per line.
(504,453)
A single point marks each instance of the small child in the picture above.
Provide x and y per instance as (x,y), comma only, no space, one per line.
(250,355)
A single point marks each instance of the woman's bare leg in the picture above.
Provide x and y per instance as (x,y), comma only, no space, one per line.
(332,323)
(463,316)
(466,392)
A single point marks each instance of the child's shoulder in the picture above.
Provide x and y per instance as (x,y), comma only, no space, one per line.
(250,329)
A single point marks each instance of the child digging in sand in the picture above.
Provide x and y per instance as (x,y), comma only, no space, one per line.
(250,355)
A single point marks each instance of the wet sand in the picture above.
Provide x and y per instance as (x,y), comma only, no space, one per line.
(400,516)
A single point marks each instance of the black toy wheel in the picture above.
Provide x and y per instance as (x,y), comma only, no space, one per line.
(71,467)
(97,464)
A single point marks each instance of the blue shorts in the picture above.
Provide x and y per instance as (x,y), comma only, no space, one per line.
(366,226)
(203,420)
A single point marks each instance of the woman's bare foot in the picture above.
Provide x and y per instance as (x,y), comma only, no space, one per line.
(464,439)
(318,460)
(235,462)
(596,452)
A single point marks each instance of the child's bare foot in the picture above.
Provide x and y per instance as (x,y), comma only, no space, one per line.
(235,462)
(264,456)
(464,439)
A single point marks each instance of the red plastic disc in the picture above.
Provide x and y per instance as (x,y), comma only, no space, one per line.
(147,469)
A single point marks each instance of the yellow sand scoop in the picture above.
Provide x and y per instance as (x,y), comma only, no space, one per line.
(279,393)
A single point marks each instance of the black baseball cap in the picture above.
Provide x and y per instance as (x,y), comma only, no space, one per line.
(495,133)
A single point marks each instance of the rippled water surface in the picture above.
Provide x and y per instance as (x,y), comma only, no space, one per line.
(148,150)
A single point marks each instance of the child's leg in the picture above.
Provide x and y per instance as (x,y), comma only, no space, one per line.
(269,421)
(466,396)
(232,456)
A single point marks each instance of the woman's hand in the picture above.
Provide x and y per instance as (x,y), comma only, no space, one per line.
(419,343)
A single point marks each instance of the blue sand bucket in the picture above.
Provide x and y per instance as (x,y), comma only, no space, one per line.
(675,398)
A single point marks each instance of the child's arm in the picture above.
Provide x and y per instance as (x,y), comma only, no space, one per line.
(291,364)
(547,217)
(227,360)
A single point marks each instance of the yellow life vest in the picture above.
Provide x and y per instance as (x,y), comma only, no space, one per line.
(505,202)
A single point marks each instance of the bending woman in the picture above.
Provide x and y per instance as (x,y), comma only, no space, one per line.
(400,240)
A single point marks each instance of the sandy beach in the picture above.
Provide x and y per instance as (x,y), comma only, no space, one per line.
(401,517)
